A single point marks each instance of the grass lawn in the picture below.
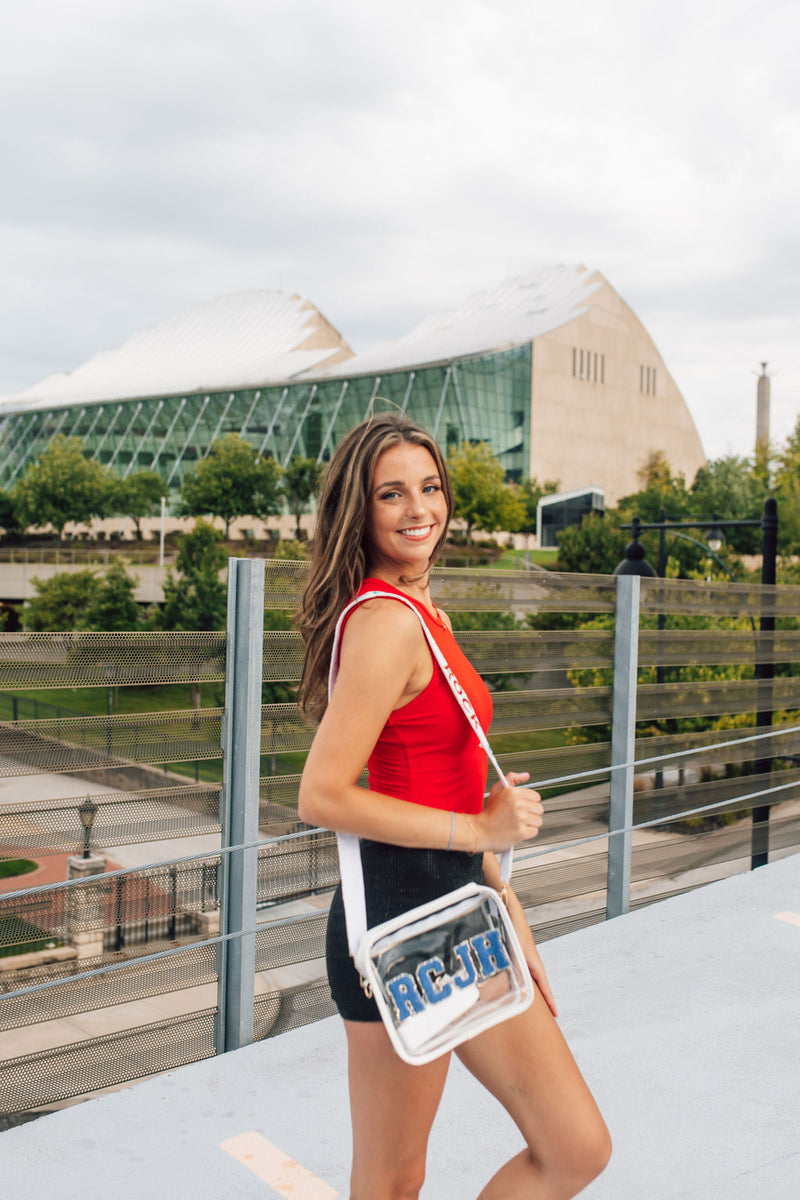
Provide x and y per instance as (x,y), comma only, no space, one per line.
(11,867)
(514,560)
(93,701)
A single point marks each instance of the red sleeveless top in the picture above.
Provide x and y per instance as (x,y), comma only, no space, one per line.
(427,751)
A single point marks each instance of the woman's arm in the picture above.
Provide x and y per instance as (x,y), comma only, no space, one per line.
(385,659)
(491,875)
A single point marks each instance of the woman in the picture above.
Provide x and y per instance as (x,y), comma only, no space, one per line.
(382,518)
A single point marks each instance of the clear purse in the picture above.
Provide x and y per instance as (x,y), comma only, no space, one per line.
(445,971)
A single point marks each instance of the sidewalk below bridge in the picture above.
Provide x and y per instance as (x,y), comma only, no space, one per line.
(684,1017)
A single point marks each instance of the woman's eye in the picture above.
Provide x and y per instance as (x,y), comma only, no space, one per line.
(431,487)
(389,495)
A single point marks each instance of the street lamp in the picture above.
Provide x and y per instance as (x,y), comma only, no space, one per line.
(87,811)
(714,538)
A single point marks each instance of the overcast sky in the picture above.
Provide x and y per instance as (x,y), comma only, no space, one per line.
(386,160)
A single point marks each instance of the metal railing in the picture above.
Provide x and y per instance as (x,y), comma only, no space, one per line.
(234,931)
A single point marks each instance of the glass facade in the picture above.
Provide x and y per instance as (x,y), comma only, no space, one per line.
(483,398)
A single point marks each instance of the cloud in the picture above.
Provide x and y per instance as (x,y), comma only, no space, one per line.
(389,161)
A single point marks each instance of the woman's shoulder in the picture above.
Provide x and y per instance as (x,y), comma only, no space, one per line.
(384,614)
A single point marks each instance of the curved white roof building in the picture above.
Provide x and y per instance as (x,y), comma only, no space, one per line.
(551,368)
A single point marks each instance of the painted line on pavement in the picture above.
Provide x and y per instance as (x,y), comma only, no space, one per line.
(790,918)
(271,1165)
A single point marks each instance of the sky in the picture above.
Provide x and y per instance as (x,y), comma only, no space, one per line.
(388,160)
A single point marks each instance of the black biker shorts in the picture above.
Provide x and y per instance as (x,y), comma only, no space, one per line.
(395,879)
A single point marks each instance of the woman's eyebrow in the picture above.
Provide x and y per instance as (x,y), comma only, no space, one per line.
(401,482)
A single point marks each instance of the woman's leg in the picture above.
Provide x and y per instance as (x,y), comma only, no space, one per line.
(392,1106)
(527,1065)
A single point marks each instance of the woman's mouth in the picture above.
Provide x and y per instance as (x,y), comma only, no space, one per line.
(416,532)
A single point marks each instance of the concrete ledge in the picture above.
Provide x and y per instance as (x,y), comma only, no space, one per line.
(683,1017)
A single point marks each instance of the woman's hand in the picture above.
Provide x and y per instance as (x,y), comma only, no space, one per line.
(511,814)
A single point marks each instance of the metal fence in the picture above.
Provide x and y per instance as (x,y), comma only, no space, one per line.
(172,956)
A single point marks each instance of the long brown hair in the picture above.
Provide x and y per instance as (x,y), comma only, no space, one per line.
(339,549)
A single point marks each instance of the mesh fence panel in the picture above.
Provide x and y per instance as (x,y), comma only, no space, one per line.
(295,868)
(83,743)
(463,590)
(153,908)
(35,1080)
(657,803)
(53,826)
(125,904)
(688,597)
(520,712)
(710,647)
(44,660)
(194,966)
(695,748)
(284,943)
(655,701)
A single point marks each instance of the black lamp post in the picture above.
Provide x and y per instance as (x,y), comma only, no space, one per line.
(87,811)
(636,564)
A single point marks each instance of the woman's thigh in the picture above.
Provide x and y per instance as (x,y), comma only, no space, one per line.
(526,1064)
(392,1106)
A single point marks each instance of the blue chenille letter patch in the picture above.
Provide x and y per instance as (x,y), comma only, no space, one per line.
(482,955)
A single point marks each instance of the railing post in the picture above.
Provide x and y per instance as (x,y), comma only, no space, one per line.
(765,673)
(623,744)
(241,746)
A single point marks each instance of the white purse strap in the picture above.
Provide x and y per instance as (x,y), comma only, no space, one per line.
(350,868)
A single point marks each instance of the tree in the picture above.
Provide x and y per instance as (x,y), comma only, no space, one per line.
(730,488)
(787,492)
(9,521)
(594,547)
(78,600)
(63,485)
(113,606)
(300,482)
(660,489)
(232,483)
(196,599)
(61,603)
(481,496)
(139,496)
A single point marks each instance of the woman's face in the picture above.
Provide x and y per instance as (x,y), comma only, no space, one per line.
(407,509)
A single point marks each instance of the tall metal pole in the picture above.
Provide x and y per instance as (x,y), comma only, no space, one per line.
(765,672)
(241,745)
(623,745)
(662,620)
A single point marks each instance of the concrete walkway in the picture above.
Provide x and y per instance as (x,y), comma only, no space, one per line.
(685,1018)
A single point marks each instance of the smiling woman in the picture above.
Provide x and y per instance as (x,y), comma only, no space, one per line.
(423,826)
